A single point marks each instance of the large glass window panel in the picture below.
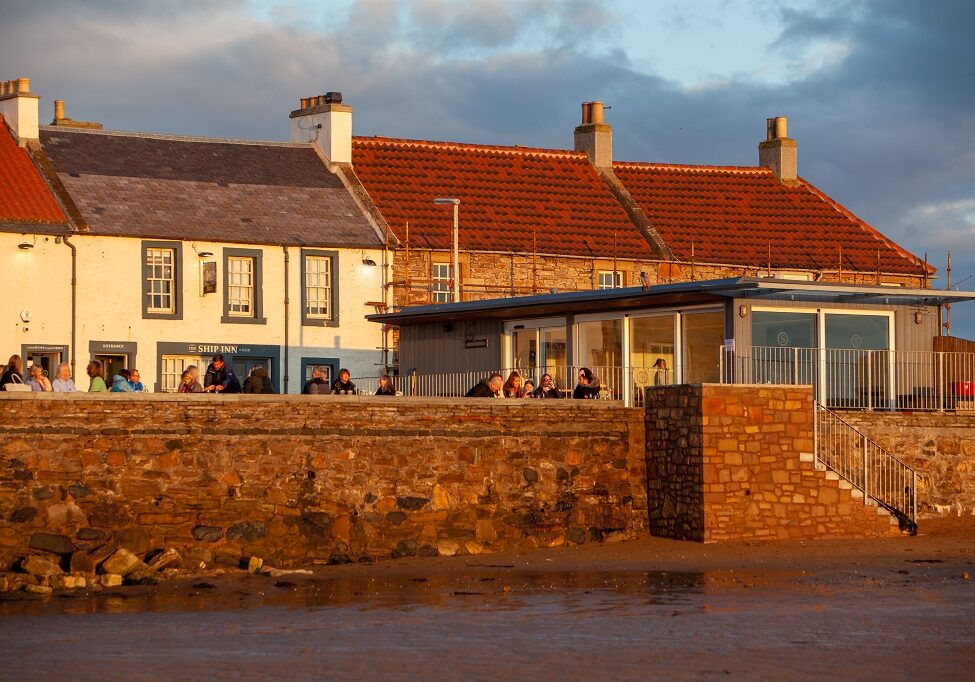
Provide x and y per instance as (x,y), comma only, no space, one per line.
(601,349)
(781,351)
(703,335)
(652,341)
(857,368)
(554,354)
(524,349)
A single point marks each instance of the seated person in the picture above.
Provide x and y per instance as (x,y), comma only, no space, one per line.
(386,386)
(220,377)
(529,389)
(317,384)
(342,385)
(120,382)
(13,373)
(135,381)
(588,386)
(189,381)
(37,380)
(95,370)
(63,383)
(258,381)
(487,388)
(547,388)
(512,387)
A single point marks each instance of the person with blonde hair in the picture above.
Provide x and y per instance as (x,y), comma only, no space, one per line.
(512,387)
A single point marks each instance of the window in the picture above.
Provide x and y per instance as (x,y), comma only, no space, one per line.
(610,279)
(242,287)
(441,291)
(319,288)
(161,280)
(172,367)
(703,336)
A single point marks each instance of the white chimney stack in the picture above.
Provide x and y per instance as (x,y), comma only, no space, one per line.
(327,122)
(778,151)
(19,108)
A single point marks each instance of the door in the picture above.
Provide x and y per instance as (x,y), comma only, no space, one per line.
(48,361)
(112,364)
(243,364)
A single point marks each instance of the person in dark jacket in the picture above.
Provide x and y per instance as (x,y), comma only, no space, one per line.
(547,388)
(386,386)
(487,388)
(588,386)
(14,366)
(258,381)
(220,377)
(317,384)
(342,385)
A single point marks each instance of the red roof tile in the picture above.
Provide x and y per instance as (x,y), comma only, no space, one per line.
(508,195)
(735,215)
(24,197)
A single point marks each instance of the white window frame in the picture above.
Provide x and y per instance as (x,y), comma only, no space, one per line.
(615,278)
(240,293)
(155,262)
(171,370)
(321,289)
(440,283)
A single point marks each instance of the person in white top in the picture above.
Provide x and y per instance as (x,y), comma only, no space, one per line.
(63,383)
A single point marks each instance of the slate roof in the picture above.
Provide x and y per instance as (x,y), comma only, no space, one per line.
(25,199)
(510,198)
(738,215)
(167,187)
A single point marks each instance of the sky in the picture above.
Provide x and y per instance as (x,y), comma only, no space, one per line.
(880,94)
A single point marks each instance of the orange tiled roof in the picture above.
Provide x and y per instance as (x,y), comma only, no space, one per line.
(24,197)
(735,215)
(509,195)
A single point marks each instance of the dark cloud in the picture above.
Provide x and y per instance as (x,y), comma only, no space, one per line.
(886,125)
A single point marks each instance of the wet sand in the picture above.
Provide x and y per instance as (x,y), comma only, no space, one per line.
(898,608)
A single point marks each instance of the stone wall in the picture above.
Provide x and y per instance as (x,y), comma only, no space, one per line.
(735,462)
(497,275)
(300,481)
(939,445)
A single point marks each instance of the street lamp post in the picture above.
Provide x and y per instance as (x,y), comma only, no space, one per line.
(455,203)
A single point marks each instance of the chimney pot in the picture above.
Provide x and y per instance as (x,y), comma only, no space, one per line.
(58,109)
(333,97)
(23,85)
(586,113)
(781,129)
(596,112)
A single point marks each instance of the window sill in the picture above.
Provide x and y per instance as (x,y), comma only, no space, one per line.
(227,319)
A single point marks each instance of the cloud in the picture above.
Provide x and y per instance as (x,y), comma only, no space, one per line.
(878,93)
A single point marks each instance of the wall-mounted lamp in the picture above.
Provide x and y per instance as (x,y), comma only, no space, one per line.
(743,311)
(25,245)
(918,317)
(205,254)
(369,261)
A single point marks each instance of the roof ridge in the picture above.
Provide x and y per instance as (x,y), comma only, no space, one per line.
(176,138)
(758,170)
(443,144)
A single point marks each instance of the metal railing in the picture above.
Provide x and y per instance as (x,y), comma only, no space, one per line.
(860,379)
(874,471)
(626,384)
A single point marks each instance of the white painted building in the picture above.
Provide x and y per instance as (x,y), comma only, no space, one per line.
(182,247)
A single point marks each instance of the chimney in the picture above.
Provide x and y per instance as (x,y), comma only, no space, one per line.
(595,137)
(18,106)
(327,122)
(63,121)
(778,151)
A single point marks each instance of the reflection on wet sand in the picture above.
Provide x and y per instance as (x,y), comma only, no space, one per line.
(501,591)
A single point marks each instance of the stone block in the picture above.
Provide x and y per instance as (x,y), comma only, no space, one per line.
(50,542)
(40,567)
(122,561)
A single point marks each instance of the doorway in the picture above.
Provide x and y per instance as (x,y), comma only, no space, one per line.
(112,364)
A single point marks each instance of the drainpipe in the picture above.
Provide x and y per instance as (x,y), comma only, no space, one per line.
(74,301)
(287,301)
